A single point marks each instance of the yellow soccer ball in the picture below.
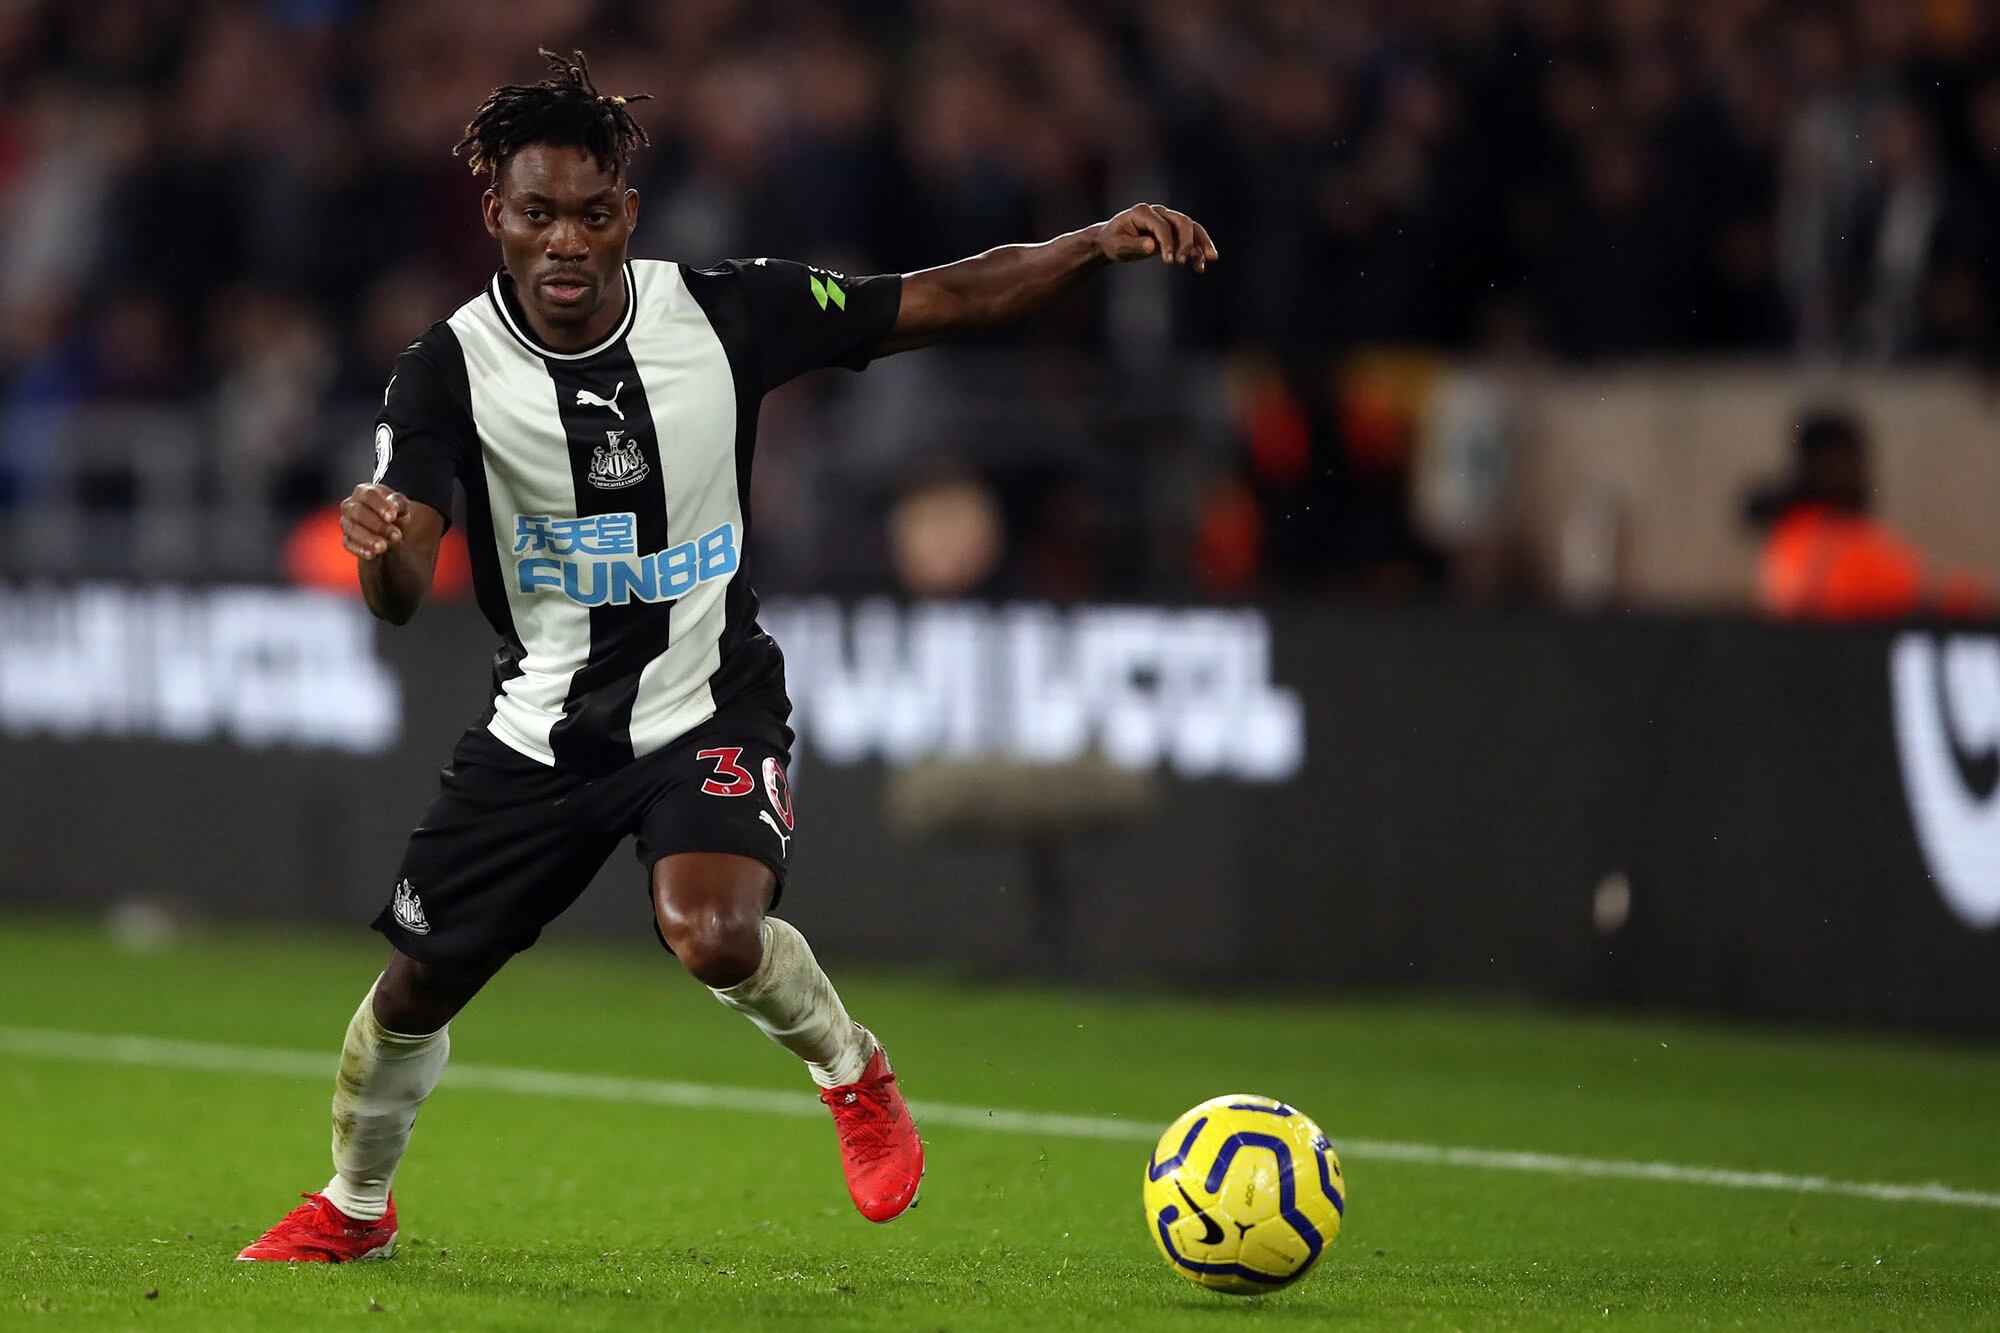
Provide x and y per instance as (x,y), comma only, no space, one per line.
(1244,1194)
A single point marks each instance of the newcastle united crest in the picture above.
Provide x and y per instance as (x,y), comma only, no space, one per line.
(617,464)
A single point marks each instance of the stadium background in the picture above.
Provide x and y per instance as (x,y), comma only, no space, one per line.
(1395,609)
(1387,439)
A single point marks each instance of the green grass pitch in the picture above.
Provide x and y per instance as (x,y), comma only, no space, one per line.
(129,1187)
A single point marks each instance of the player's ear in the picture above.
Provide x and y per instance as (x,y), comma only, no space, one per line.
(631,208)
(489,208)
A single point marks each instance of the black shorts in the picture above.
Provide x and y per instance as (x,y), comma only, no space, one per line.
(508,843)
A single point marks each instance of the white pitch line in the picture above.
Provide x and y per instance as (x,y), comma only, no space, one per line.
(168,1053)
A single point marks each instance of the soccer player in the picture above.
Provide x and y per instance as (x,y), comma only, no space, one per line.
(600,413)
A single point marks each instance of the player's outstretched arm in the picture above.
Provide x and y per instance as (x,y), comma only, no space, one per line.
(395,541)
(1016,280)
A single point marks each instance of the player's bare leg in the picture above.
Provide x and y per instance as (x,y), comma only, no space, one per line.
(710,909)
(395,1050)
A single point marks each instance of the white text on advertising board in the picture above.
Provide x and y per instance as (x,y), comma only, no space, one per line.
(1186,689)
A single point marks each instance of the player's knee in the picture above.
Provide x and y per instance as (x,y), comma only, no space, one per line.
(719,946)
(402,1006)
(418,998)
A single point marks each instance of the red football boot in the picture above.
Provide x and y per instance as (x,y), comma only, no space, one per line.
(316,1232)
(879,1147)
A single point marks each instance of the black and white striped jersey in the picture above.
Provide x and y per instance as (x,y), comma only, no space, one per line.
(607,491)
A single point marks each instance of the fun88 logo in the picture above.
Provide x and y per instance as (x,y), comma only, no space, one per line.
(594,559)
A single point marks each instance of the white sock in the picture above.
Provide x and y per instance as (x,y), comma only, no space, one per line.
(790,998)
(384,1077)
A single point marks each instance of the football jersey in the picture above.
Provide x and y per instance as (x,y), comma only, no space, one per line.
(607,491)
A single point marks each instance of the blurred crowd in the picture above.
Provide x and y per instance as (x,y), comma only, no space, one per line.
(249,205)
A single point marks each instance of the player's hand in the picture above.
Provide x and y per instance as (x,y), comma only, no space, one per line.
(371,520)
(1145,230)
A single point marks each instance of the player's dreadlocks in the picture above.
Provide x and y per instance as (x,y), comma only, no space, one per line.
(566,110)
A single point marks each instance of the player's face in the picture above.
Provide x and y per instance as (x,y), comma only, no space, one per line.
(563,222)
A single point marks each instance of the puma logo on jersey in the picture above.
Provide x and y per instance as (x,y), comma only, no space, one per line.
(784,838)
(585,398)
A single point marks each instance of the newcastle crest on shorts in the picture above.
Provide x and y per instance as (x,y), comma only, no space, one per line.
(408,911)
(617,464)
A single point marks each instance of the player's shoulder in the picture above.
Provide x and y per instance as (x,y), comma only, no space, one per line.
(722,268)
(751,271)
(704,281)
(656,280)
(726,285)
(430,373)
(436,348)
(438,352)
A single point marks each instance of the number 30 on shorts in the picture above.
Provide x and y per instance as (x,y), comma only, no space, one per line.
(731,778)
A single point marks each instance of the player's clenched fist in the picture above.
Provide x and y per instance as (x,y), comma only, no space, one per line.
(1145,230)
(371,520)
